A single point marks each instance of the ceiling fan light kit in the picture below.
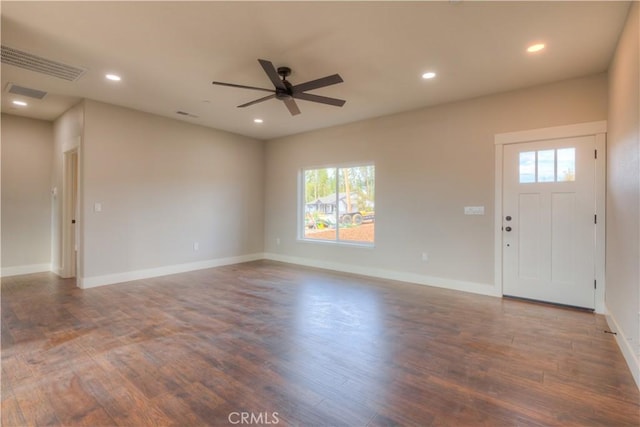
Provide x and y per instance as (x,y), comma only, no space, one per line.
(288,93)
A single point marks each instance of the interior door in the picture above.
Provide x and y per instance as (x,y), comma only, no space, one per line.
(76,208)
(548,226)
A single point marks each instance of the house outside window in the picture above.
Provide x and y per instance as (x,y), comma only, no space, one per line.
(338,204)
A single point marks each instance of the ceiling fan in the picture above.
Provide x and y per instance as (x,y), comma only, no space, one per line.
(288,93)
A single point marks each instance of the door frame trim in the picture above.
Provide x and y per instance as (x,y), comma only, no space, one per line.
(597,129)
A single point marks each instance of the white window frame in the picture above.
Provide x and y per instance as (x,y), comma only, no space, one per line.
(301,223)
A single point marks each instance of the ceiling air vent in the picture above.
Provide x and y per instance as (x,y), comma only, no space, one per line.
(25,91)
(41,65)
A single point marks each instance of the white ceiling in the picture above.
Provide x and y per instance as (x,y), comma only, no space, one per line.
(169,52)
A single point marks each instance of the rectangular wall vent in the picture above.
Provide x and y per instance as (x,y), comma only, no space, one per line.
(25,91)
(41,65)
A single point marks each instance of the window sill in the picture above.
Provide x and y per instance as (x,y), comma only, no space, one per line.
(365,245)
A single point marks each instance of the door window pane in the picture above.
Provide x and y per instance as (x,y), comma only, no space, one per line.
(567,164)
(546,165)
(527,167)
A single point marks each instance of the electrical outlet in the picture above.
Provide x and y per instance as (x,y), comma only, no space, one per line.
(196,246)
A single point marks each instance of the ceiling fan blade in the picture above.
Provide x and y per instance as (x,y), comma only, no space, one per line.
(242,86)
(316,84)
(292,106)
(321,99)
(272,73)
(266,98)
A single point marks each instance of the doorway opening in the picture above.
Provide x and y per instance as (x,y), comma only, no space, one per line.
(70,214)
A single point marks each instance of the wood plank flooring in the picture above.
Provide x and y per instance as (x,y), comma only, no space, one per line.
(274,344)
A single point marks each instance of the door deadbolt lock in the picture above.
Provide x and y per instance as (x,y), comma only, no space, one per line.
(508,218)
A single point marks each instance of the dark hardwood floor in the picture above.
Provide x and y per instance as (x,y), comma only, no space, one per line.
(273,344)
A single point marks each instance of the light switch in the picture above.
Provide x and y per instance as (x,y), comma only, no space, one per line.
(474,210)
(97,207)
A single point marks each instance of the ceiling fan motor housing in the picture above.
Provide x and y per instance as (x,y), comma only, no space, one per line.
(284,93)
(287,93)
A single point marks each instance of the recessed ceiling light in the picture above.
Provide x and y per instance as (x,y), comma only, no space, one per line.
(258,121)
(20,103)
(429,75)
(113,77)
(535,47)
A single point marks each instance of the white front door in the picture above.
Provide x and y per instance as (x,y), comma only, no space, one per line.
(548,224)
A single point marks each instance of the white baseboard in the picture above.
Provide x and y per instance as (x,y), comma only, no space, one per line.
(629,354)
(439,282)
(110,279)
(24,269)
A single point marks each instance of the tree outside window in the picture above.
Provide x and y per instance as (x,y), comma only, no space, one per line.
(339,204)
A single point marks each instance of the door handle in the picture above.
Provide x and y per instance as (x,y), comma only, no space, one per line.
(507,229)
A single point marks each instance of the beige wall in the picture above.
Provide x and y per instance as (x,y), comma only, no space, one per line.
(623,190)
(429,165)
(163,185)
(27,147)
